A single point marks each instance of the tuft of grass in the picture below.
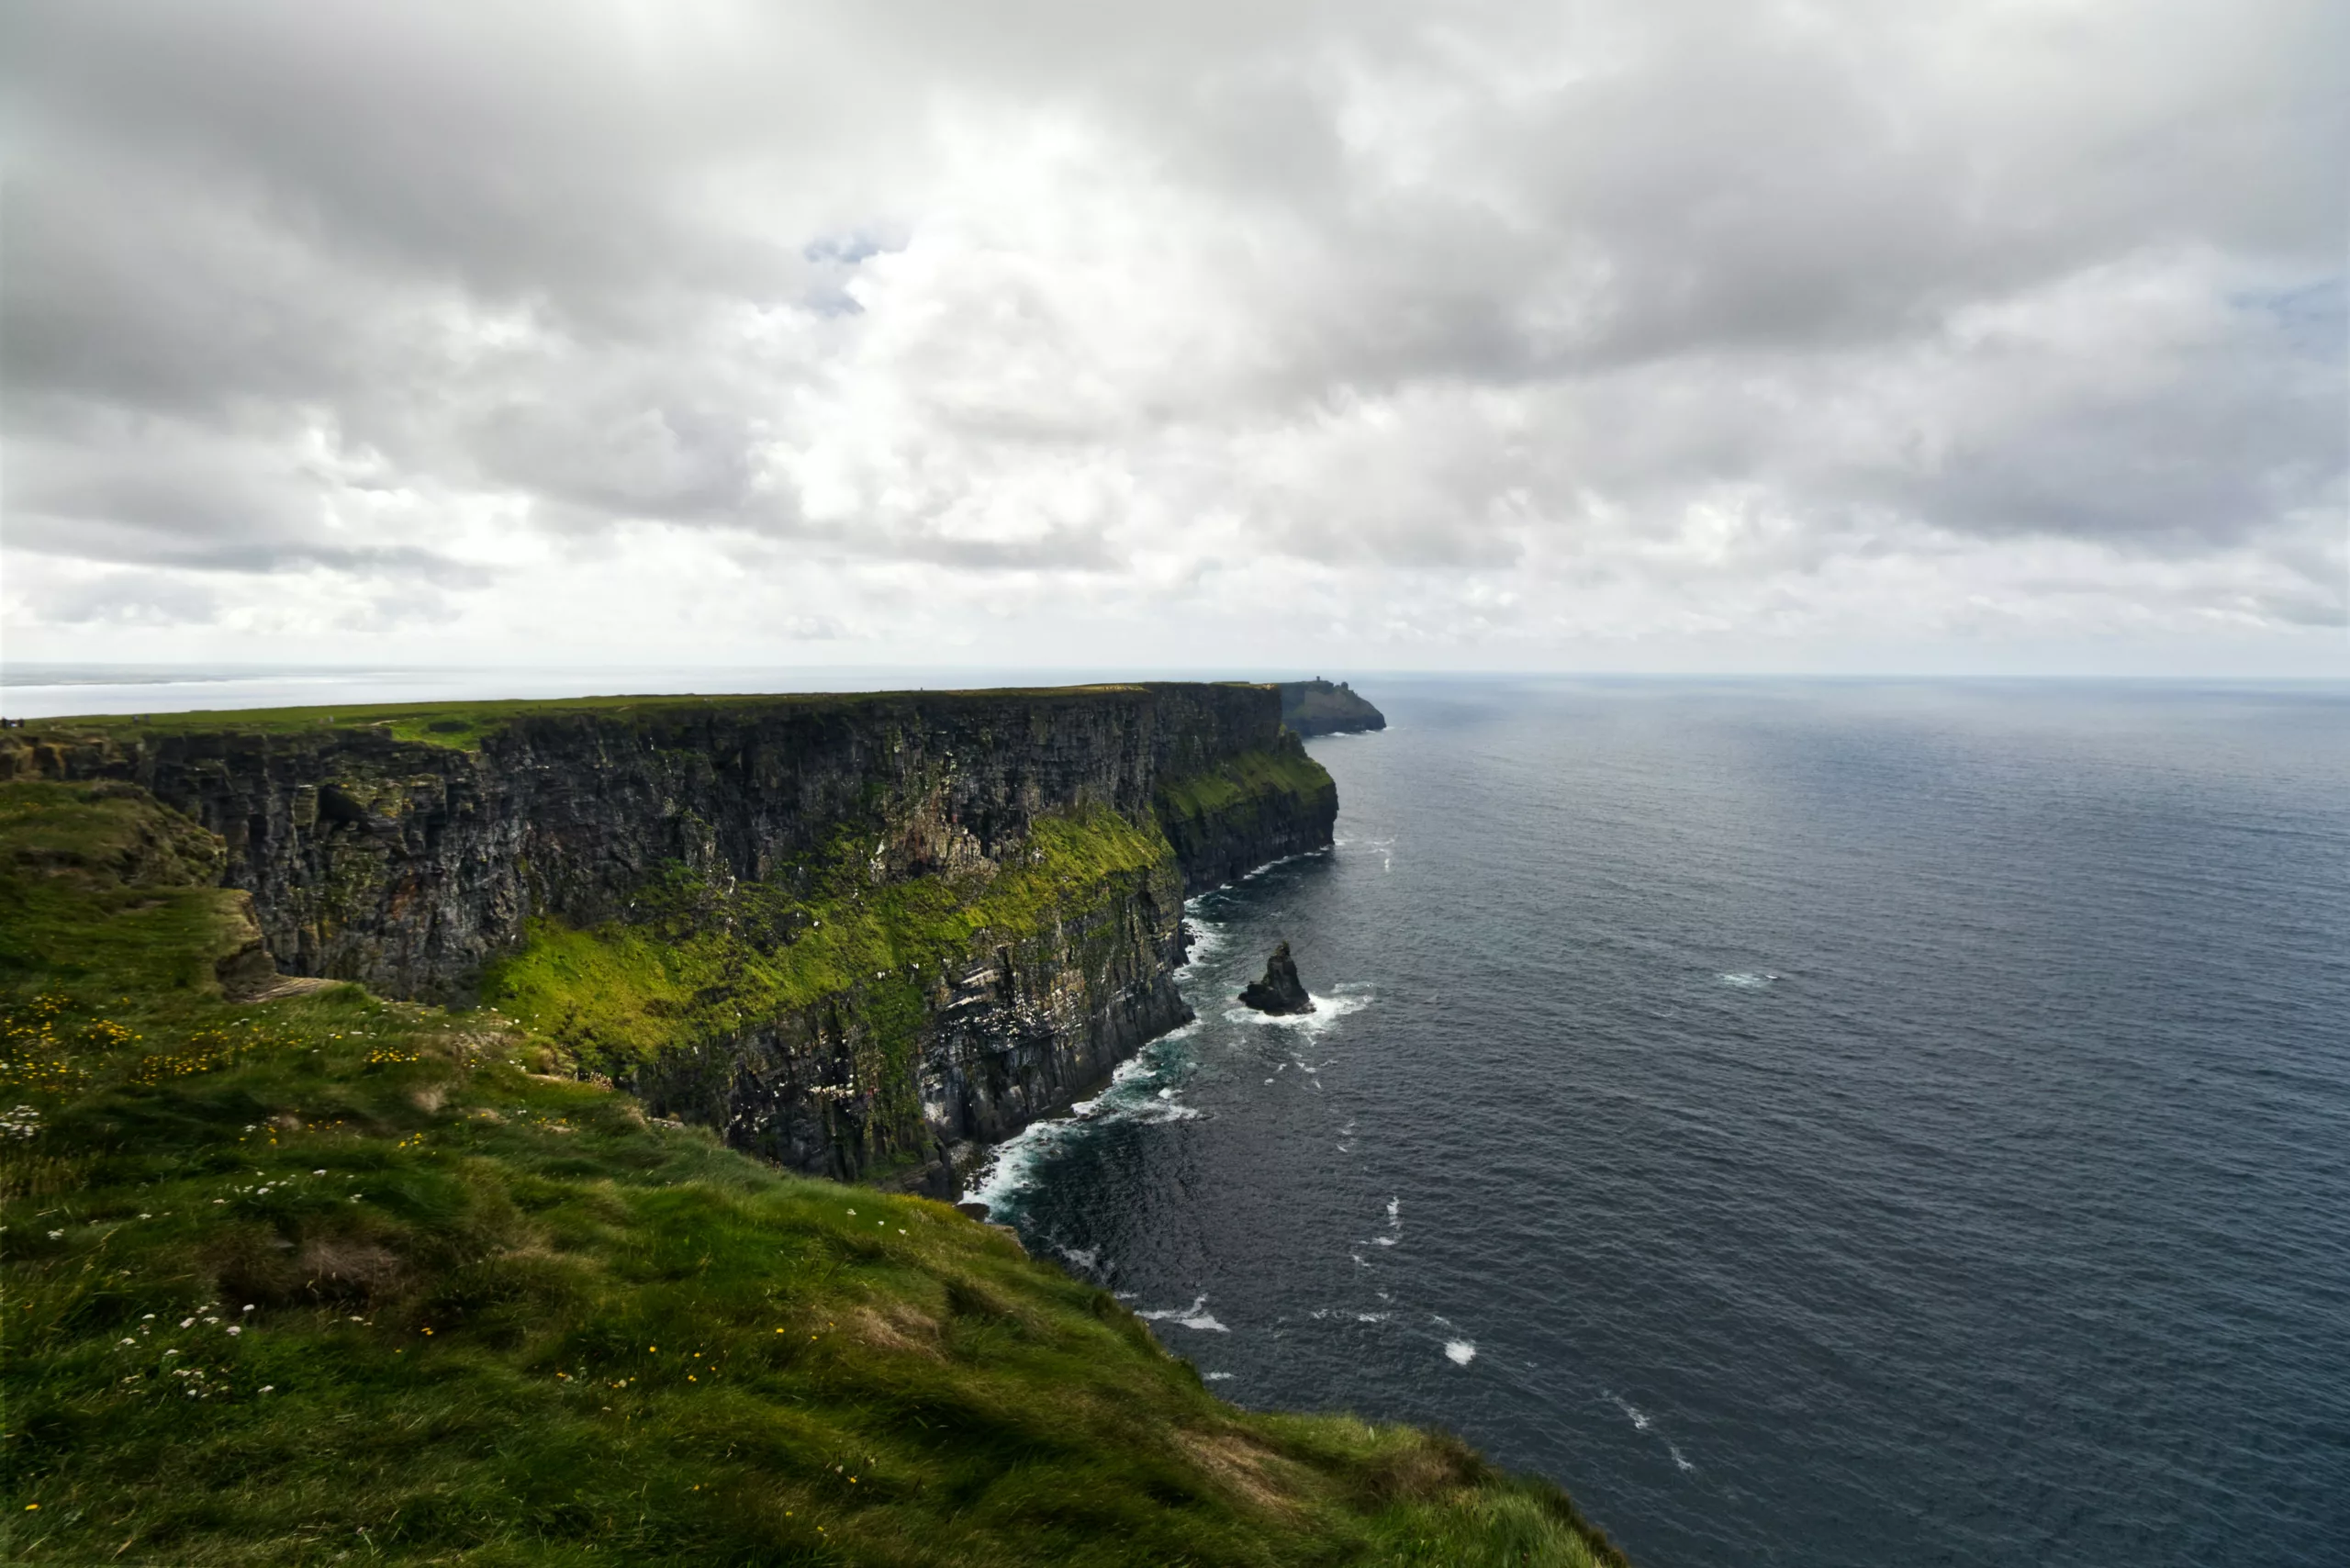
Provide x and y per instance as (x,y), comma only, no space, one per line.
(335,1279)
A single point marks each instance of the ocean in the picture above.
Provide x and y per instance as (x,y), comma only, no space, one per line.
(1821,1123)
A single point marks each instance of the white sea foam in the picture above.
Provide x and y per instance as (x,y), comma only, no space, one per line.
(1749,979)
(1010,1168)
(1195,1315)
(1208,941)
(1328,1008)
(1132,1094)
(1371,1317)
(1639,1417)
(1679,1463)
(1460,1352)
(1217,1377)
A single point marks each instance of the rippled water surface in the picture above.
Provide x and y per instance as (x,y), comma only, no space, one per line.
(1817,1124)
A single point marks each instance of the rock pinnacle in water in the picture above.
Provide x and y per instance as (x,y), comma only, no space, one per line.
(1280,991)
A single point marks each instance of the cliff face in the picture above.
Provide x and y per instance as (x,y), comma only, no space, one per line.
(1318,708)
(649,881)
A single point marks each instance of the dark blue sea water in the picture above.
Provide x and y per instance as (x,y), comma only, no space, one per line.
(1824,1124)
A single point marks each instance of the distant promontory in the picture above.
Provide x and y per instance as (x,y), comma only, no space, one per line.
(1318,708)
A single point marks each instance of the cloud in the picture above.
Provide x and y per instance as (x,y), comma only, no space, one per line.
(1049,330)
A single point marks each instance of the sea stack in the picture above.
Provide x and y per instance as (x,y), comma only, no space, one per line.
(1280,991)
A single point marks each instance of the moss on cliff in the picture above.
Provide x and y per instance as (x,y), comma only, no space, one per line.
(679,855)
(331,1278)
(701,958)
(1242,780)
(1244,810)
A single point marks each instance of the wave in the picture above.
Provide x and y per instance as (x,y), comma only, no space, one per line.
(1749,979)
(1643,1422)
(1328,1008)
(1460,1352)
(1133,1094)
(1195,1316)
(1208,940)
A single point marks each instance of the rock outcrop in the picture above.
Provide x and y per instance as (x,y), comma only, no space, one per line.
(1279,990)
(1318,708)
(916,920)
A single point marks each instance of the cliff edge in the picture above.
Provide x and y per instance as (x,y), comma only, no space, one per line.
(326,1278)
(1319,708)
(863,935)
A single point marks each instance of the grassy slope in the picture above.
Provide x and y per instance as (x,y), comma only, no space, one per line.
(332,1280)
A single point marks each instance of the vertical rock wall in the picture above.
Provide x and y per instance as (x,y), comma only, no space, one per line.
(408,866)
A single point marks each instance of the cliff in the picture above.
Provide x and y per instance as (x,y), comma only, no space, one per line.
(1318,708)
(854,933)
(326,1278)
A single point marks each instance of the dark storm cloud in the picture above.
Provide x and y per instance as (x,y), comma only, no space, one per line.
(1668,292)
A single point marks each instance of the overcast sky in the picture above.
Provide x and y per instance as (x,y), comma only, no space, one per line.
(2006,334)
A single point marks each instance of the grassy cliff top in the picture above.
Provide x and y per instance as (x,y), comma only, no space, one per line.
(332,1280)
(465,723)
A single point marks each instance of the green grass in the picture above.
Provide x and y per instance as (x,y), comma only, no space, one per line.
(700,962)
(463,725)
(695,961)
(481,1315)
(1239,779)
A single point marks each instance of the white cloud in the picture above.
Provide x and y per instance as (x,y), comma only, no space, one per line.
(1392,333)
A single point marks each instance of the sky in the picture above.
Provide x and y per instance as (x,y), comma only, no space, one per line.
(1286,335)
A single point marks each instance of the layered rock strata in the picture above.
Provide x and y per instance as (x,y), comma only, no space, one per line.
(376,849)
